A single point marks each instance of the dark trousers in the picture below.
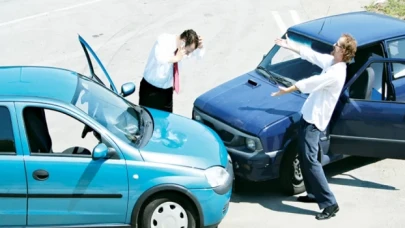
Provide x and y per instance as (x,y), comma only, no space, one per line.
(315,181)
(154,97)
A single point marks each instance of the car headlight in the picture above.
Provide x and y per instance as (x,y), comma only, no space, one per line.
(216,176)
(196,116)
(251,144)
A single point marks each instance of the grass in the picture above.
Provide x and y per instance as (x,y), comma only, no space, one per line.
(395,8)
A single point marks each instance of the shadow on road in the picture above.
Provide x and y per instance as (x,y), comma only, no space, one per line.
(269,195)
(348,164)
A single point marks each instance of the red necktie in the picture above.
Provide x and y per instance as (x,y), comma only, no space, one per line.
(176,76)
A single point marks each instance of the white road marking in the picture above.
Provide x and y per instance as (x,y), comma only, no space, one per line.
(279,21)
(295,16)
(47,13)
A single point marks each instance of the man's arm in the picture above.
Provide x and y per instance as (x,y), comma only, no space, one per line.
(316,82)
(163,54)
(198,53)
(306,53)
(311,84)
(321,60)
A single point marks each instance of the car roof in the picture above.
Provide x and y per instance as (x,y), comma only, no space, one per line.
(365,27)
(37,82)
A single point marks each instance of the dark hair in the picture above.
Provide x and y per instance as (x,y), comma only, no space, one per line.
(190,37)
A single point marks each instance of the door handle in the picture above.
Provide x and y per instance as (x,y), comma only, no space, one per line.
(40,175)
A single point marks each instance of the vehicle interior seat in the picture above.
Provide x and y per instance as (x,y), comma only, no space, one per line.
(77,150)
(362,88)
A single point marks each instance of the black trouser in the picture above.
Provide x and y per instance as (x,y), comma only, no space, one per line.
(315,181)
(154,97)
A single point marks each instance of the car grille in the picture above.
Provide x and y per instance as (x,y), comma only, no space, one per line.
(226,136)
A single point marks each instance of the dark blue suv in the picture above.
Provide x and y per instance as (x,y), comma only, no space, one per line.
(260,131)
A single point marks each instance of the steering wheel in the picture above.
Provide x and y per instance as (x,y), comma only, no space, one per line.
(86,130)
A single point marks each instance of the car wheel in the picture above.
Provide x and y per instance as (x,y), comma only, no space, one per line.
(291,179)
(168,210)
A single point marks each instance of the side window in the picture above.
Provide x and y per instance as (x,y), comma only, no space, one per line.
(369,85)
(396,49)
(56,133)
(7,143)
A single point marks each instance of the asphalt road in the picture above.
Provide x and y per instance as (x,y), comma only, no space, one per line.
(237,34)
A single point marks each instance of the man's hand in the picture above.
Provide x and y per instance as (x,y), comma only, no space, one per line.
(181,52)
(283,90)
(286,43)
(200,42)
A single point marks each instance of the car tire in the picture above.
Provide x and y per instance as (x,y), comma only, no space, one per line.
(291,179)
(171,206)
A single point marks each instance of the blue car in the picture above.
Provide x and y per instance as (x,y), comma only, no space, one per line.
(260,131)
(75,153)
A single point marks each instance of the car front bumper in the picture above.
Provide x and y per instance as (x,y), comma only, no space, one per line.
(258,166)
(213,205)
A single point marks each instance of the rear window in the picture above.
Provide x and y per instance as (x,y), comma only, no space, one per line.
(7,144)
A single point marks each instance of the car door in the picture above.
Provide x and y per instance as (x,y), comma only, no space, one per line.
(368,119)
(98,73)
(65,185)
(13,183)
(396,49)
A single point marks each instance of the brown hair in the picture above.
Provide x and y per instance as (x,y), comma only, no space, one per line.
(190,37)
(349,47)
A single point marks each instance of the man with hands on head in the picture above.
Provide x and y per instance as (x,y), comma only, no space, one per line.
(161,74)
(324,91)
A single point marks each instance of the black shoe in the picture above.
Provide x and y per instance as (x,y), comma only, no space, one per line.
(306,199)
(328,212)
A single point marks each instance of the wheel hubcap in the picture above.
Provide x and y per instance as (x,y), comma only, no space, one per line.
(297,170)
(169,215)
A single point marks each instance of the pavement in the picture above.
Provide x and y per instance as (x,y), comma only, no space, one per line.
(236,34)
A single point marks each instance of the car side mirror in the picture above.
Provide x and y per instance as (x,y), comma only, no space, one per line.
(127,89)
(100,152)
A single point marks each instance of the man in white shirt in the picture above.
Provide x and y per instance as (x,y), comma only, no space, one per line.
(161,74)
(324,90)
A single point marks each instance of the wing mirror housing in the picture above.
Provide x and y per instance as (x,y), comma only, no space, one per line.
(100,152)
(127,89)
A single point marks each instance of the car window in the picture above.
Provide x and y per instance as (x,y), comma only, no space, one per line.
(56,133)
(110,110)
(369,85)
(7,143)
(396,49)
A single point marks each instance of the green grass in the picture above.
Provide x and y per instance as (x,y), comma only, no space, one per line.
(395,8)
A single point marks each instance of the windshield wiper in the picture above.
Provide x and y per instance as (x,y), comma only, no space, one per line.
(271,76)
(283,81)
(141,127)
(274,78)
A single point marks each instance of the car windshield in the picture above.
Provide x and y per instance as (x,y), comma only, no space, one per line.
(113,112)
(286,67)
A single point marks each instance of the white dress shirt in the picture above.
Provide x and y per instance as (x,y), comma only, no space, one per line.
(158,70)
(324,89)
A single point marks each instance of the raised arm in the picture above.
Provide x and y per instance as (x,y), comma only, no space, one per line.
(306,53)
(321,60)
(162,52)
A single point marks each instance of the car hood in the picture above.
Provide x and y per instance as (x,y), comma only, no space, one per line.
(248,107)
(181,141)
